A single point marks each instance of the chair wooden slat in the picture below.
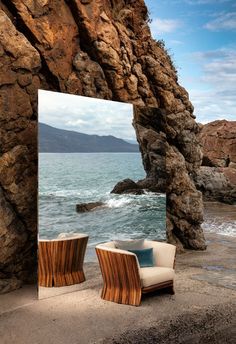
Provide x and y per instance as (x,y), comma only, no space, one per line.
(61,262)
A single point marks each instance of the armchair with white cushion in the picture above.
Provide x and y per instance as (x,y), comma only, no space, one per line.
(125,281)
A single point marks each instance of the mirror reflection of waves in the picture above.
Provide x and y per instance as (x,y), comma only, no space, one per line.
(122,216)
(68,179)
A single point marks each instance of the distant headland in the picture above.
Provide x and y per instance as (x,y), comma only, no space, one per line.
(53,140)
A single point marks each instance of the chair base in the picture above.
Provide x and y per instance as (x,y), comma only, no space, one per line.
(125,297)
(61,280)
(164,285)
(134,298)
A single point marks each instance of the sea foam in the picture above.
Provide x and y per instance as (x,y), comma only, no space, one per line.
(228,229)
(117,203)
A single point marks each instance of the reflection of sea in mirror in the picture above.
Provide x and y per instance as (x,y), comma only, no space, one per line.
(122,216)
(75,168)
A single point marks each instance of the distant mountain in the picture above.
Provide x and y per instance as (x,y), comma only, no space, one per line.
(133,142)
(53,140)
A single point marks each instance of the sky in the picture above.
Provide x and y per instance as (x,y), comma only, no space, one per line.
(200,35)
(86,115)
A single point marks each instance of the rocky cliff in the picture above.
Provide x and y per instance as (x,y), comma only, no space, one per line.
(101,49)
(218,141)
(216,178)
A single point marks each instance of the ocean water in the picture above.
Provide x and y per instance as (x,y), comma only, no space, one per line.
(220,218)
(66,179)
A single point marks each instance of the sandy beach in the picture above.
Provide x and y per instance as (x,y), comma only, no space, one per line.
(203,310)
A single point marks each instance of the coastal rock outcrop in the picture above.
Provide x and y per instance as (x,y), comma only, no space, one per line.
(216,178)
(214,184)
(85,207)
(230,174)
(98,49)
(171,153)
(218,140)
(150,126)
(127,186)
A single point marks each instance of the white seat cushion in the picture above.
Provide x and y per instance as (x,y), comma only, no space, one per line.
(154,275)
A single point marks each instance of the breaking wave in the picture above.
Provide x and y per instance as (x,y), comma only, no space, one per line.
(228,229)
(117,203)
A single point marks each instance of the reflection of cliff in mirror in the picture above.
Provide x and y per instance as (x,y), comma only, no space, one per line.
(94,185)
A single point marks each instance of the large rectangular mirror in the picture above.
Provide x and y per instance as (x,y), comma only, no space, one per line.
(89,166)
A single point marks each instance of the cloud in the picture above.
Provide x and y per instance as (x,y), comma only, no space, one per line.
(201,2)
(159,26)
(75,123)
(206,2)
(212,105)
(176,42)
(219,67)
(216,99)
(86,115)
(224,21)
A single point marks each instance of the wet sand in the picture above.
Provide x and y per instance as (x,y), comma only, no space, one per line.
(203,310)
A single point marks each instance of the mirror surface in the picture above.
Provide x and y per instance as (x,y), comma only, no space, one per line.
(86,147)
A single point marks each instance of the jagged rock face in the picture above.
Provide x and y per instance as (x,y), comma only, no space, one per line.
(170,169)
(218,140)
(150,127)
(230,174)
(215,185)
(127,186)
(101,49)
(216,179)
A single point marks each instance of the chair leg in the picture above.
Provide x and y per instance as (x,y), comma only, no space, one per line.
(171,290)
(122,296)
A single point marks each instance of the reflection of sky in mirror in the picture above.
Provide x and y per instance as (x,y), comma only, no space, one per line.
(86,115)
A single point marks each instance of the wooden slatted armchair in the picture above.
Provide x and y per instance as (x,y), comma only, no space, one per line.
(124,280)
(60,261)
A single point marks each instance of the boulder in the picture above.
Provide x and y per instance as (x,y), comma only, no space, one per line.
(218,140)
(85,207)
(230,174)
(9,284)
(127,186)
(216,179)
(215,185)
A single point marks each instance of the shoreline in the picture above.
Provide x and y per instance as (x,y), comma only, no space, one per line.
(202,310)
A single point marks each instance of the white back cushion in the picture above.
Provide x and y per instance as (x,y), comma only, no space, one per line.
(163,253)
(136,244)
(108,244)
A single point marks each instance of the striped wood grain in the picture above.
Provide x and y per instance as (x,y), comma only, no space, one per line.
(61,262)
(120,276)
